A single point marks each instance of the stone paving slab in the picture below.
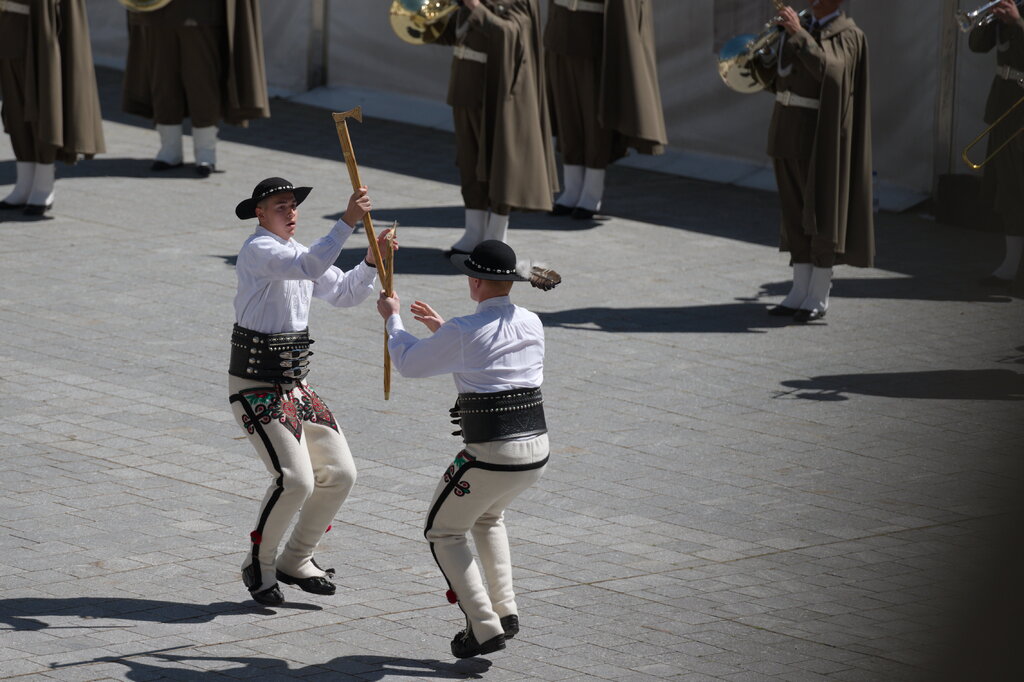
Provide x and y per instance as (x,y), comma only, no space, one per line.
(730,497)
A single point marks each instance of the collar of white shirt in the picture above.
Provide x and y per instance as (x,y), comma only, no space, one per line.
(493,303)
(262,230)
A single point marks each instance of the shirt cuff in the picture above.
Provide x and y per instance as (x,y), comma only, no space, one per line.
(394,324)
(342,230)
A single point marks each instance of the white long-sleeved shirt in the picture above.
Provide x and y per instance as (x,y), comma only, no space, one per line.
(498,348)
(277,279)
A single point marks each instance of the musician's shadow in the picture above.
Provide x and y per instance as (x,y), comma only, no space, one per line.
(949,384)
(729,318)
(354,667)
(107,166)
(916,288)
(454,217)
(412,260)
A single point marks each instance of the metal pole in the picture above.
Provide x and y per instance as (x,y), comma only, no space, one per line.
(316,64)
(945,106)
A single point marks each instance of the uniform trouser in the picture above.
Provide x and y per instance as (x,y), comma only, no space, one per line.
(1004,178)
(575,96)
(187,72)
(469,144)
(471,498)
(791,176)
(304,451)
(24,138)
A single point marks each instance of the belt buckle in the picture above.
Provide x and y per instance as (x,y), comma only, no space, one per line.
(786,98)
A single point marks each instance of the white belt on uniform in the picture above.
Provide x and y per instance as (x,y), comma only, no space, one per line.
(14,7)
(788,99)
(463,52)
(581,6)
(1011,74)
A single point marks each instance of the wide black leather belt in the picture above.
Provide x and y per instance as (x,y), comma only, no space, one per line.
(506,415)
(276,358)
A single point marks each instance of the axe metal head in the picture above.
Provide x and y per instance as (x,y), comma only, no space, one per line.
(356,113)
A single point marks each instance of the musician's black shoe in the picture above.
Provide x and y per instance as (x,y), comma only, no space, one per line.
(804,316)
(269,597)
(560,209)
(159,165)
(580,213)
(315,585)
(993,282)
(36,209)
(510,624)
(448,253)
(782,311)
(4,205)
(203,170)
(464,645)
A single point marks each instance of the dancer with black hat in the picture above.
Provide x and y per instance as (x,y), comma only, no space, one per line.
(496,357)
(292,429)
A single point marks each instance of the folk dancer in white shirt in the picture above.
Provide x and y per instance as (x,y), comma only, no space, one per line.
(293,431)
(496,357)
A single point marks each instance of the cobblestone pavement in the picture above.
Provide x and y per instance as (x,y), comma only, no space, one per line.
(730,497)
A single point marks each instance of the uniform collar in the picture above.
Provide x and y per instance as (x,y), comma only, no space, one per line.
(494,302)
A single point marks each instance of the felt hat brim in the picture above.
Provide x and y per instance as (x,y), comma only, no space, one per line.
(246,209)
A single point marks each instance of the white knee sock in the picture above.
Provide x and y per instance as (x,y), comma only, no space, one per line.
(170,144)
(204,145)
(42,185)
(593,189)
(476,220)
(23,185)
(1011,261)
(497,227)
(572,182)
(801,282)
(817,290)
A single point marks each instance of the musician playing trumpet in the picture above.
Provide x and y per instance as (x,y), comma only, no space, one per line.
(1004,174)
(820,143)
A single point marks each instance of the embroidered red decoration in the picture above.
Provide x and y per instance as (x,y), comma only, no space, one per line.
(452,597)
(255,537)
(328,529)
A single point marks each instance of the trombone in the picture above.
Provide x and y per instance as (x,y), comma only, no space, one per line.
(988,131)
(981,16)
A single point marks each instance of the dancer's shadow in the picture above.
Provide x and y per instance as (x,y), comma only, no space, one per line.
(22,613)
(356,667)
(728,318)
(949,384)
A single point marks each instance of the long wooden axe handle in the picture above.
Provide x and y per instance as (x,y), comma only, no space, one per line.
(341,123)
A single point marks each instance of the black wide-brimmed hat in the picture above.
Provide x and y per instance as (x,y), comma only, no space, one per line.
(490,259)
(247,208)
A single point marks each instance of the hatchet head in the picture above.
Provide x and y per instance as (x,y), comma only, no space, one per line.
(357,114)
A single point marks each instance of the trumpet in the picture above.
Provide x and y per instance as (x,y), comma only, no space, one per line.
(419,22)
(965,154)
(735,56)
(981,16)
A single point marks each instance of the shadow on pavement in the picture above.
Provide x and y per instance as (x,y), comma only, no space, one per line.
(355,667)
(453,217)
(948,384)
(728,318)
(21,613)
(926,287)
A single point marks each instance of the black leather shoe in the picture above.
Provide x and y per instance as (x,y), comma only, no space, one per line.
(510,624)
(269,597)
(448,253)
(993,282)
(315,585)
(580,213)
(8,206)
(203,170)
(782,311)
(464,645)
(34,209)
(560,209)
(164,166)
(804,316)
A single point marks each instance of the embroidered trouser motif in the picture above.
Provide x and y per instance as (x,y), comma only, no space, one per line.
(299,442)
(471,498)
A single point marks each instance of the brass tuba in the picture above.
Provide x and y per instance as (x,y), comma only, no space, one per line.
(144,5)
(420,21)
(735,56)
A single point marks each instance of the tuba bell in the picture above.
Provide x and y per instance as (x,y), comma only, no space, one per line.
(144,5)
(420,21)
(735,56)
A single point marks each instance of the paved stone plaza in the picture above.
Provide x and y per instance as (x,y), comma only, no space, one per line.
(729,497)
